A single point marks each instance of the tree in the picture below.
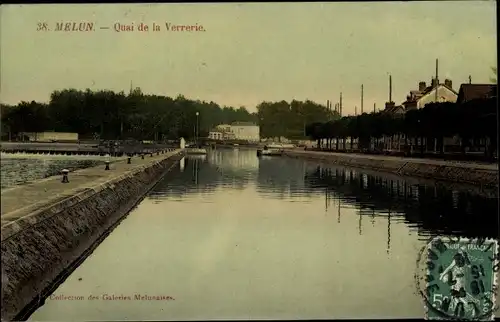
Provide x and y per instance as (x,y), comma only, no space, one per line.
(111,115)
(494,78)
(290,120)
(473,120)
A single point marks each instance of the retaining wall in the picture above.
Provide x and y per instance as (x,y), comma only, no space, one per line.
(38,248)
(447,171)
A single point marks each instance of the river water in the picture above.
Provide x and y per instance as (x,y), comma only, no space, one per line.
(21,168)
(231,236)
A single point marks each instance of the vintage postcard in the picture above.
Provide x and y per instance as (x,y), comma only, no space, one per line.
(223,161)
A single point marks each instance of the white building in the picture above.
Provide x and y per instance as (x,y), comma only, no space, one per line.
(51,136)
(246,131)
(223,128)
(237,131)
(427,94)
(217,135)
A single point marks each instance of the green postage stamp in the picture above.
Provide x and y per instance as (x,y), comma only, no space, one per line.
(461,279)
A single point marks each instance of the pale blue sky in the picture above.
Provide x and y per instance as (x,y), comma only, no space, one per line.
(250,52)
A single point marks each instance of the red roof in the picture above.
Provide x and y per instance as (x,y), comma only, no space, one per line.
(473,91)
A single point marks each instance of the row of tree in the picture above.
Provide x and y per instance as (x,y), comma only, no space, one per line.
(473,120)
(110,115)
(283,119)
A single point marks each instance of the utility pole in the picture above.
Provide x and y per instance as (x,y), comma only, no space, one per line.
(355,110)
(361,98)
(390,88)
(374,104)
(437,81)
(340,104)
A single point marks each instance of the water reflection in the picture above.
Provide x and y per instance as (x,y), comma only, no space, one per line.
(281,178)
(204,173)
(429,208)
(231,236)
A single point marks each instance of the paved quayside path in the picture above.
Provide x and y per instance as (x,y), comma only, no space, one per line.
(462,164)
(26,198)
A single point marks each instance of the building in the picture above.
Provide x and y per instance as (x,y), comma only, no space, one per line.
(220,136)
(223,128)
(427,94)
(51,136)
(246,131)
(392,108)
(222,132)
(215,135)
(470,92)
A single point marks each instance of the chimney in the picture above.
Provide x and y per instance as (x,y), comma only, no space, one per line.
(390,88)
(361,98)
(448,82)
(433,82)
(422,86)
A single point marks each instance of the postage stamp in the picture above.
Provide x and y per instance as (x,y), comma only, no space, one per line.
(460,280)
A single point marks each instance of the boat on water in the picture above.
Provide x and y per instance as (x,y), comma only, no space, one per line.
(196,150)
(266,151)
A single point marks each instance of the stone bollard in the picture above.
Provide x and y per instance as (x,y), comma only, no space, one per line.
(65,176)
(129,160)
(107,165)
(142,156)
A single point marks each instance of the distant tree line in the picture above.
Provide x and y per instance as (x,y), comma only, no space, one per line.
(109,115)
(289,120)
(429,126)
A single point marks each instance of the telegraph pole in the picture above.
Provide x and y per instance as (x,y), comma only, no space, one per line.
(361,98)
(340,104)
(390,88)
(374,104)
(437,81)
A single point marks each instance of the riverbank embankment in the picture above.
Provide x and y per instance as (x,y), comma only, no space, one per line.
(59,148)
(49,226)
(460,172)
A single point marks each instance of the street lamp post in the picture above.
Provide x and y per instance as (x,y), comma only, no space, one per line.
(196,131)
